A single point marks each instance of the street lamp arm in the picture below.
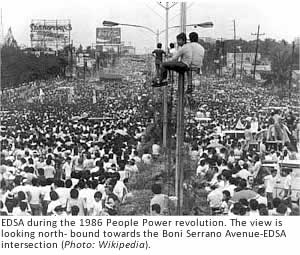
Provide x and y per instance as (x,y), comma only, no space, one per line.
(113,24)
(204,25)
(131,25)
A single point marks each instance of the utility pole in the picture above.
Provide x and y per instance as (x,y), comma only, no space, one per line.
(242,60)
(84,66)
(71,59)
(165,95)
(256,49)
(291,70)
(234,51)
(180,124)
(166,148)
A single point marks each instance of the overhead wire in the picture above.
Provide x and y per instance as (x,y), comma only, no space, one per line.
(152,9)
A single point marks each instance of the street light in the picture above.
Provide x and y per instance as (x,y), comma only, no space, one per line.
(203,25)
(107,23)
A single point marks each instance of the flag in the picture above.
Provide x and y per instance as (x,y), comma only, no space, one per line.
(41,96)
(239,125)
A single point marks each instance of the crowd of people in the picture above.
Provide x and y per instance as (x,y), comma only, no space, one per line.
(79,156)
(74,158)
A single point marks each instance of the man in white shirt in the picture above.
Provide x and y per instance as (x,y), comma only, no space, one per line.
(270,181)
(190,55)
(261,197)
(214,198)
(161,199)
(36,195)
(244,173)
(120,189)
(155,150)
(287,184)
(67,168)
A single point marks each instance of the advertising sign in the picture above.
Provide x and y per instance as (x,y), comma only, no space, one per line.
(54,34)
(108,35)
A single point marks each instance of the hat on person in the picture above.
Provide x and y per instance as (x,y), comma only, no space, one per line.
(241,162)
(10,195)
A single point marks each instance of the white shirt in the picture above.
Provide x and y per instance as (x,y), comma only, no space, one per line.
(254,213)
(88,195)
(270,182)
(155,149)
(191,54)
(68,169)
(96,208)
(215,198)
(120,190)
(63,194)
(35,193)
(230,188)
(244,174)
(146,158)
(52,205)
(287,182)
(262,200)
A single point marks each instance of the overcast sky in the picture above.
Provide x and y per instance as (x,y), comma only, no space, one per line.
(278,19)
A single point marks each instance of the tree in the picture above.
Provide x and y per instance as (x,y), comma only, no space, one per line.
(24,66)
(280,61)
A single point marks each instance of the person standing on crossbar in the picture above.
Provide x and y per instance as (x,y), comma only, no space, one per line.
(189,56)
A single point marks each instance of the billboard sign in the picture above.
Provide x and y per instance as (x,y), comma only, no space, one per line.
(54,34)
(108,36)
(246,57)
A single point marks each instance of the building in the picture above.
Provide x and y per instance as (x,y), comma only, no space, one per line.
(127,49)
(208,40)
(246,61)
(246,57)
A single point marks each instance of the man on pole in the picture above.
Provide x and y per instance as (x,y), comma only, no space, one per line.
(190,55)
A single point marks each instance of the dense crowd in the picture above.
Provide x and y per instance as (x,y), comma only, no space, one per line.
(79,156)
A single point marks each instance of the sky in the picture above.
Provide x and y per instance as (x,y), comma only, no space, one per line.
(277,19)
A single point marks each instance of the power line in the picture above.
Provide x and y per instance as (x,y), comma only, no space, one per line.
(154,11)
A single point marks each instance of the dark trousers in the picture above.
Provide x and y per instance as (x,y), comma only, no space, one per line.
(157,68)
(176,66)
(270,200)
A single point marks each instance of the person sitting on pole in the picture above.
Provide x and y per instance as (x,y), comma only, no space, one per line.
(158,54)
(171,53)
(172,50)
(190,55)
(179,66)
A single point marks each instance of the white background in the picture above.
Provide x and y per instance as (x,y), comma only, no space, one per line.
(241,246)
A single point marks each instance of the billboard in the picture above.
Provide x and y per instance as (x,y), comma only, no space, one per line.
(53,34)
(248,58)
(108,36)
